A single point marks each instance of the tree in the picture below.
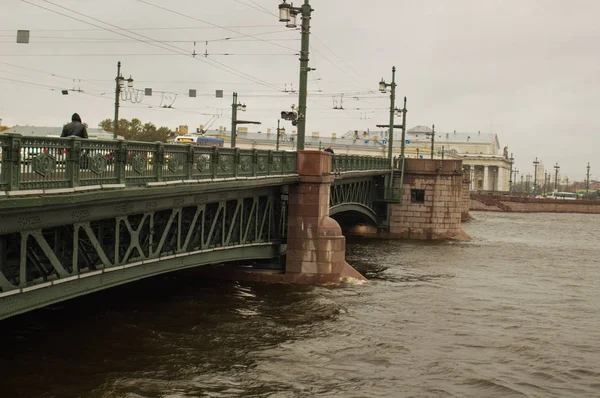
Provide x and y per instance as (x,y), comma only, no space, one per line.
(136,130)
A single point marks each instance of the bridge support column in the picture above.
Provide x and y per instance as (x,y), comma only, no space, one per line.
(316,246)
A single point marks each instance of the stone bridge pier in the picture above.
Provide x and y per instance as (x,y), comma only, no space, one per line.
(316,247)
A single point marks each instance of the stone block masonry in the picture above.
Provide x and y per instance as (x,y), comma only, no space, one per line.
(432,200)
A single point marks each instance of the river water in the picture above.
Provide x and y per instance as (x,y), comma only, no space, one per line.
(512,313)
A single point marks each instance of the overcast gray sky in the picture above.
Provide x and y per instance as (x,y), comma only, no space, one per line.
(526,70)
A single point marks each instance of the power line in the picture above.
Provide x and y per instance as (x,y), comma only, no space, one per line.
(138,55)
(153,28)
(145,40)
(205,22)
(258,7)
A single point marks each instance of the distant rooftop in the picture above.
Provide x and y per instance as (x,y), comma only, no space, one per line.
(43,131)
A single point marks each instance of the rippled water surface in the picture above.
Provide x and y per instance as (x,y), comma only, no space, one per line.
(515,312)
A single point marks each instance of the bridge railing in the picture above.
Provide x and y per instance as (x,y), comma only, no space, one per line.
(344,163)
(34,163)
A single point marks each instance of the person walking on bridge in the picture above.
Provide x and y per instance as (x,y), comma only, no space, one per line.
(75,128)
(328,149)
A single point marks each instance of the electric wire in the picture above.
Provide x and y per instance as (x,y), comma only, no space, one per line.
(175,49)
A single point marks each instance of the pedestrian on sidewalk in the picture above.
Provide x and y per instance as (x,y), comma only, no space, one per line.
(328,149)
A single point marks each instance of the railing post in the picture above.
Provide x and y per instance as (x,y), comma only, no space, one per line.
(190,162)
(121,161)
(73,163)
(270,169)
(11,161)
(158,161)
(215,162)
(236,162)
(254,161)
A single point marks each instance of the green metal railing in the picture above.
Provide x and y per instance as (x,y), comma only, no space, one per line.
(343,163)
(28,163)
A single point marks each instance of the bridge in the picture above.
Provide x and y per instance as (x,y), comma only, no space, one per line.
(78,216)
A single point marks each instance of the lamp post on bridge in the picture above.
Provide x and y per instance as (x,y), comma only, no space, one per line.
(119,85)
(235,107)
(288,14)
(383,88)
(432,134)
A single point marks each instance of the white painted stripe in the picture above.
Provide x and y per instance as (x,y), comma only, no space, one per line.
(150,261)
(133,264)
(10,293)
(111,269)
(87,275)
(182,255)
(167,257)
(36,287)
(63,280)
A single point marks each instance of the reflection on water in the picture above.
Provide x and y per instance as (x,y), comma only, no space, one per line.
(512,313)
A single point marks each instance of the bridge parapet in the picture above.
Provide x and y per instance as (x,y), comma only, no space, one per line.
(346,163)
(43,163)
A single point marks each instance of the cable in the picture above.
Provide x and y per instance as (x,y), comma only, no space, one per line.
(153,28)
(258,7)
(205,22)
(167,48)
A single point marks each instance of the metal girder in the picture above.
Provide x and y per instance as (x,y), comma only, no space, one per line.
(41,259)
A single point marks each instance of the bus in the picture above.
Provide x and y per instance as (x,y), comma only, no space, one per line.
(562,195)
(199,140)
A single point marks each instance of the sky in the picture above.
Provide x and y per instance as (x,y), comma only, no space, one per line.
(528,70)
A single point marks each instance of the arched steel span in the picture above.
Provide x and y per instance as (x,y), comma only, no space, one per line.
(365,212)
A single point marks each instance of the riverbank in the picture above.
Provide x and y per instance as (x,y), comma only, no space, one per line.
(532,205)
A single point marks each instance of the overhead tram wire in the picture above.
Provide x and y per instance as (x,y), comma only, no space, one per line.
(258,7)
(337,56)
(175,49)
(149,39)
(153,28)
(206,22)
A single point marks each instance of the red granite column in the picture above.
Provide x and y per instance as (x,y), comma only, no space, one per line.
(316,246)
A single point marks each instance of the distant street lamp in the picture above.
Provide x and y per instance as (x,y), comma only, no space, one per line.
(535,165)
(120,83)
(279,132)
(432,134)
(383,88)
(587,181)
(556,168)
(235,107)
(510,178)
(288,14)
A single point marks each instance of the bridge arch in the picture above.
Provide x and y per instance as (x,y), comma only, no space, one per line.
(355,210)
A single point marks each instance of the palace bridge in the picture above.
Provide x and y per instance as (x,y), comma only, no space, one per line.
(78,216)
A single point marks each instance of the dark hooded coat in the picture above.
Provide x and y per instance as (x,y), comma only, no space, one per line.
(75,128)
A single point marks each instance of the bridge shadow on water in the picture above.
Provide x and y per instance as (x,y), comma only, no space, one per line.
(171,326)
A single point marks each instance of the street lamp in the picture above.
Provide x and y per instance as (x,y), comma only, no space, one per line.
(287,14)
(510,178)
(383,88)
(535,165)
(432,134)
(556,168)
(587,181)
(120,84)
(235,107)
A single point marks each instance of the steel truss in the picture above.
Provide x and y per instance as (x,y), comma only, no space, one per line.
(37,256)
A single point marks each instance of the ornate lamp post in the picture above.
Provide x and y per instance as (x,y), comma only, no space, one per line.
(288,14)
